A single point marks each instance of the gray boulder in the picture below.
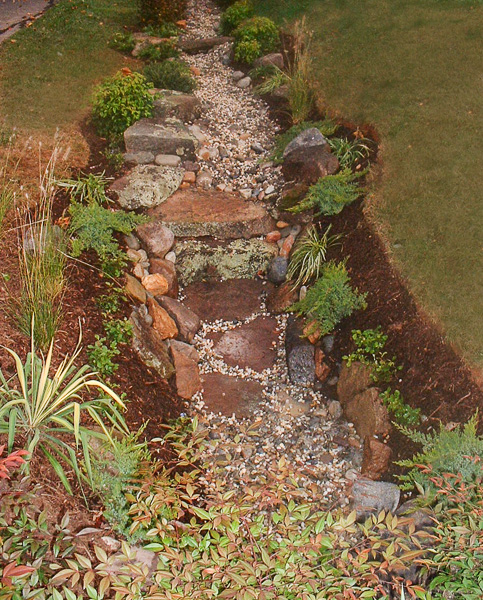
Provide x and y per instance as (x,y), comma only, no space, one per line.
(310,138)
(277,271)
(371,497)
(147,186)
(300,354)
(160,137)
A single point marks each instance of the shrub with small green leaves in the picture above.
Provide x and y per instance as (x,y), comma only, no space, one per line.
(331,193)
(100,356)
(110,303)
(235,15)
(118,331)
(330,299)
(121,101)
(171,75)
(122,42)
(162,30)
(402,412)
(255,37)
(369,350)
(158,52)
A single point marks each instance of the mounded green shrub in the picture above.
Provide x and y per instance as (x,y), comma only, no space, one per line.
(170,75)
(255,37)
(122,42)
(155,12)
(235,15)
(121,101)
(159,52)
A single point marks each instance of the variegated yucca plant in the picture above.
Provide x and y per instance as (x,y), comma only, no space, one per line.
(49,413)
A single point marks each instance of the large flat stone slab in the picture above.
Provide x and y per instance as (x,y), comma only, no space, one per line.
(168,136)
(249,346)
(239,259)
(229,395)
(147,186)
(196,213)
(226,300)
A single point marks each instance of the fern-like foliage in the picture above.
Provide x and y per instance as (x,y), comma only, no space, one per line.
(94,226)
(330,299)
(331,193)
(456,451)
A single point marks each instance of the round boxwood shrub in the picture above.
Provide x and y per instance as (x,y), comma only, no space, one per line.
(255,37)
(170,75)
(121,101)
(236,14)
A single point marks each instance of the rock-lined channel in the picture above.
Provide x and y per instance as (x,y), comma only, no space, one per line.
(200,277)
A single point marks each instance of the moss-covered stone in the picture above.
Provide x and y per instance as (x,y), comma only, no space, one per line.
(240,259)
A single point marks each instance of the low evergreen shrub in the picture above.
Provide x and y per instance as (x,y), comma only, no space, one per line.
(331,193)
(170,75)
(330,299)
(159,52)
(157,12)
(121,101)
(235,15)
(255,37)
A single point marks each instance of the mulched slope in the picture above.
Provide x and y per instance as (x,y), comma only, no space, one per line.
(434,377)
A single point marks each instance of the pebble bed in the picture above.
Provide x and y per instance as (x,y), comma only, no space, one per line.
(294,428)
(236,123)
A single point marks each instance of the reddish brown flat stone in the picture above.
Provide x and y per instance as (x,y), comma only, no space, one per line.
(198,213)
(227,300)
(228,395)
(249,345)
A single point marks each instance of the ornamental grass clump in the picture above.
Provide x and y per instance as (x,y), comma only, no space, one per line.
(121,101)
(309,255)
(329,300)
(46,412)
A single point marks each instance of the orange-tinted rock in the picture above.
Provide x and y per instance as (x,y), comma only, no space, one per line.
(186,320)
(286,248)
(134,289)
(322,369)
(156,284)
(187,374)
(189,177)
(162,322)
(312,332)
(376,458)
(167,269)
(273,237)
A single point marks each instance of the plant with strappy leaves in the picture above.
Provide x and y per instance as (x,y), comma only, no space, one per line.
(349,152)
(309,255)
(42,411)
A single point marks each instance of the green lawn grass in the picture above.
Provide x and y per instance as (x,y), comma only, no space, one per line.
(48,72)
(413,69)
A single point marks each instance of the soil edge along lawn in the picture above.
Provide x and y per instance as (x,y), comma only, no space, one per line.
(413,71)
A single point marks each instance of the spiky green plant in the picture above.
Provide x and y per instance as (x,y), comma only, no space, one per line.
(87,189)
(309,255)
(44,412)
(349,152)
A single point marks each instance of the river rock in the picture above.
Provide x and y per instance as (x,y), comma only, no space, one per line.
(155,284)
(187,374)
(147,186)
(371,497)
(162,322)
(167,160)
(202,45)
(300,354)
(138,158)
(376,459)
(167,269)
(156,238)
(160,137)
(277,272)
(134,289)
(353,380)
(275,59)
(186,320)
